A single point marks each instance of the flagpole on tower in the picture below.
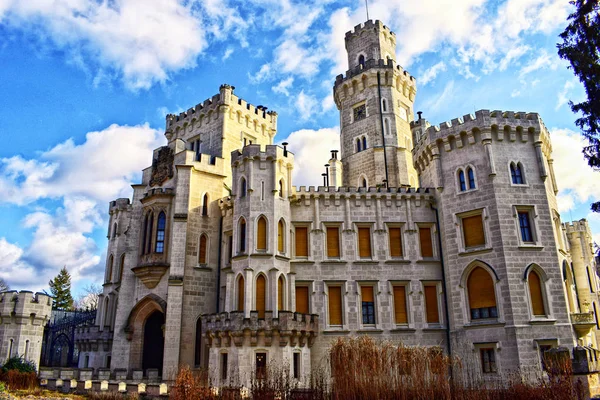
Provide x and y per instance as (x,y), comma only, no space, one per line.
(367,7)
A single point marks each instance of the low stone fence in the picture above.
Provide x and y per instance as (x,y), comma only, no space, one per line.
(84,380)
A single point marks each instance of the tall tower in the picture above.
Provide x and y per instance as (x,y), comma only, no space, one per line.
(375,100)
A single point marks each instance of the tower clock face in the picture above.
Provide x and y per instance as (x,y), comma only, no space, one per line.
(360,112)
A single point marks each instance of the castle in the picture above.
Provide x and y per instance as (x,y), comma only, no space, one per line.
(445,236)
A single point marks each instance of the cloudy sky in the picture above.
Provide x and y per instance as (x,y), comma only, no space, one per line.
(86,85)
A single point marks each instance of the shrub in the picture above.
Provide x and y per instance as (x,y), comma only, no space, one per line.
(2,387)
(190,386)
(18,363)
(17,380)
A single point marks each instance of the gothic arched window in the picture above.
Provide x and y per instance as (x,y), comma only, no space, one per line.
(261,234)
(205,204)
(516,173)
(471,176)
(161,224)
(461,180)
(364,143)
(361,60)
(482,295)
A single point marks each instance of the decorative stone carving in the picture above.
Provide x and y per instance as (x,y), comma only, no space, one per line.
(162,167)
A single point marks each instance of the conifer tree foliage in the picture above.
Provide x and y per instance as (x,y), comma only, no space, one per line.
(580,46)
(60,288)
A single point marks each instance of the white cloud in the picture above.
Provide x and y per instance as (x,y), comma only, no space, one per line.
(143,41)
(544,60)
(306,105)
(327,103)
(101,168)
(283,86)
(311,150)
(435,103)
(292,58)
(227,54)
(263,74)
(430,74)
(17,272)
(85,176)
(577,182)
(563,95)
(515,93)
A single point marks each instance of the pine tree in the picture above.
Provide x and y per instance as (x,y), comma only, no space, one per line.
(60,287)
(580,46)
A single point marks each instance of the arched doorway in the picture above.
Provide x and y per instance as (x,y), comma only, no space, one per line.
(154,341)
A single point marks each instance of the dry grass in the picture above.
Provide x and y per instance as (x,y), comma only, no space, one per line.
(16,380)
(363,369)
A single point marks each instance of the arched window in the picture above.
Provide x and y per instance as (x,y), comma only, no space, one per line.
(461,180)
(205,205)
(242,236)
(281,236)
(161,224)
(384,105)
(114,232)
(243,187)
(471,176)
(482,296)
(240,294)
(516,173)
(364,183)
(536,293)
(261,295)
(281,188)
(122,267)
(109,270)
(261,234)
(202,249)
(358,145)
(364,143)
(280,288)
(361,60)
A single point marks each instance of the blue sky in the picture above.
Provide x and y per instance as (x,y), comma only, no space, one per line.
(86,85)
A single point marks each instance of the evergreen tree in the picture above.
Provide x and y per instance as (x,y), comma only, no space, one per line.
(60,288)
(580,46)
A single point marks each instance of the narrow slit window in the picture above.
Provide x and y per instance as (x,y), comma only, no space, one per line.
(471,176)
(461,181)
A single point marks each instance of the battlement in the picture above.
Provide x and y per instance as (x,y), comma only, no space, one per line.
(119,204)
(25,304)
(270,152)
(370,25)
(225,97)
(158,192)
(372,192)
(370,64)
(200,161)
(506,124)
(578,226)
(289,328)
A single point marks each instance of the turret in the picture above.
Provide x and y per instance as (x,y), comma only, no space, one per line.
(23,316)
(375,99)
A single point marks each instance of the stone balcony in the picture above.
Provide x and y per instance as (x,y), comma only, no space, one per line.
(151,268)
(289,329)
(583,323)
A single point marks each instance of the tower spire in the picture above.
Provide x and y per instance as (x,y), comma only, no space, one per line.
(367,7)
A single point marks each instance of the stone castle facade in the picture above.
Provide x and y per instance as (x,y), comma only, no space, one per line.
(445,236)
(23,316)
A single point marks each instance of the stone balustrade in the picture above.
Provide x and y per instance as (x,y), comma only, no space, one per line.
(287,329)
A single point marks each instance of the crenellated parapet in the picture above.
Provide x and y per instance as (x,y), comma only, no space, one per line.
(481,127)
(371,25)
(343,192)
(288,329)
(226,103)
(254,152)
(25,304)
(580,226)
